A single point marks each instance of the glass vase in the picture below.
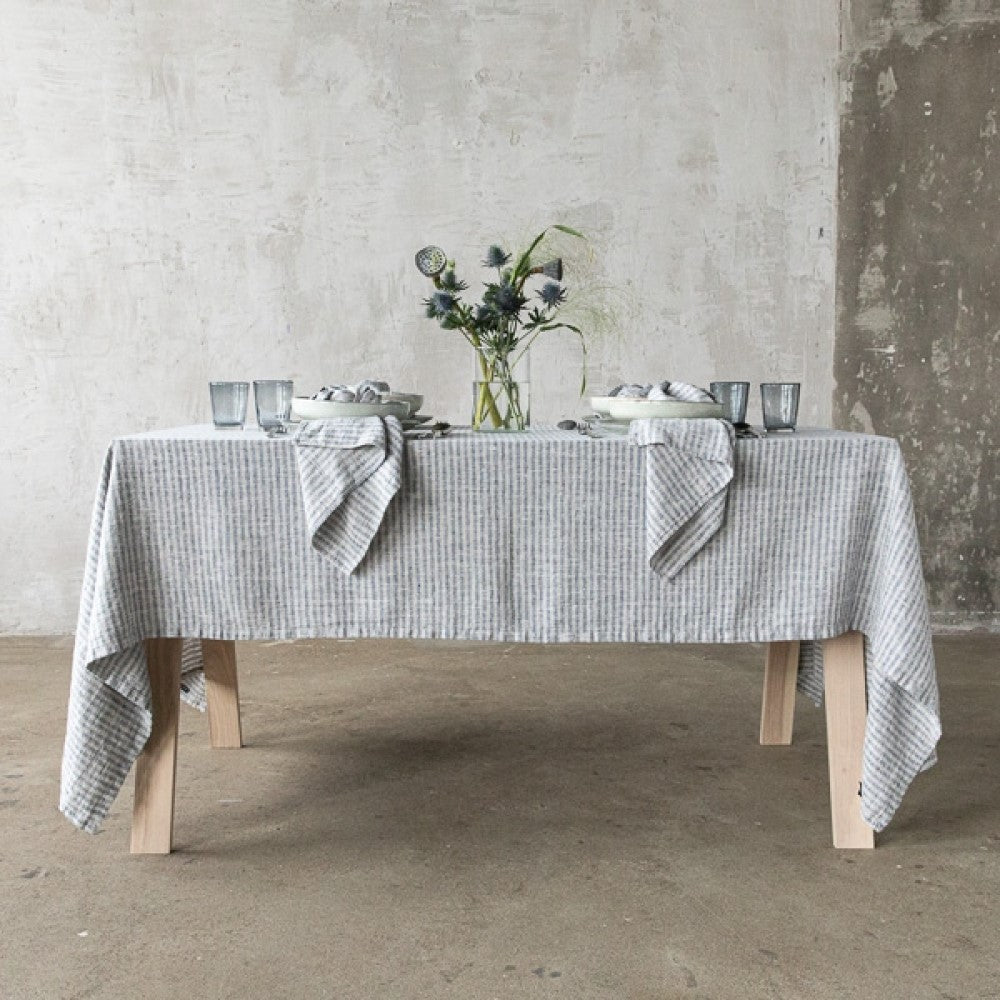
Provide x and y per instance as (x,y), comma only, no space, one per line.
(501,392)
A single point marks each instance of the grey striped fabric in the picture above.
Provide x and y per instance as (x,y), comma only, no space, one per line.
(536,537)
(349,471)
(689,465)
(684,391)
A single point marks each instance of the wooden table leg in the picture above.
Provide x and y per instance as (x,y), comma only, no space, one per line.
(222,692)
(155,770)
(777,711)
(846,710)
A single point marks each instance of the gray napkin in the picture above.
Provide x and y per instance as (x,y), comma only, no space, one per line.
(689,465)
(683,391)
(349,470)
(680,390)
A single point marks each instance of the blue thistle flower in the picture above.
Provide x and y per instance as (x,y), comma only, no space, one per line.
(496,257)
(507,299)
(439,304)
(449,281)
(552,294)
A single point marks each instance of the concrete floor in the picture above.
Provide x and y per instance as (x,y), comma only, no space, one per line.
(474,821)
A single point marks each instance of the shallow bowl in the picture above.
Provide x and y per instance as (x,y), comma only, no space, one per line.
(641,409)
(326,409)
(412,399)
(602,404)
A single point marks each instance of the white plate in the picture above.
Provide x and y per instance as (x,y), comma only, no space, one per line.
(640,409)
(602,404)
(325,409)
(413,401)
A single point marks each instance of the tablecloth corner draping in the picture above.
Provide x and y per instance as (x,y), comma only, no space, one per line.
(109,715)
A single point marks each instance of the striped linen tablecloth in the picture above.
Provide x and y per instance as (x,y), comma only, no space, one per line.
(534,537)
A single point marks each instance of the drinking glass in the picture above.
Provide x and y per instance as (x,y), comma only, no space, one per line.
(780,403)
(229,404)
(733,397)
(273,401)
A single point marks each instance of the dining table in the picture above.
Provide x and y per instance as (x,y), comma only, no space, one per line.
(203,537)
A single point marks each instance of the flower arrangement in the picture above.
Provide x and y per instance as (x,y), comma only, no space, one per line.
(503,325)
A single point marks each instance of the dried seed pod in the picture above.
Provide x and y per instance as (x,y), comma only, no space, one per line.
(431,261)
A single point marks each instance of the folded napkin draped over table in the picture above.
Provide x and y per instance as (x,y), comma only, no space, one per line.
(349,469)
(689,465)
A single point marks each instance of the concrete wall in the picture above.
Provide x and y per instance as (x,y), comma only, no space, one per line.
(198,189)
(918,329)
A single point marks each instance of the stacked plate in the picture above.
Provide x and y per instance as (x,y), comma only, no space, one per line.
(404,405)
(626,408)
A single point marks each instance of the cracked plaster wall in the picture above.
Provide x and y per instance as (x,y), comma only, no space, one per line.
(918,292)
(197,189)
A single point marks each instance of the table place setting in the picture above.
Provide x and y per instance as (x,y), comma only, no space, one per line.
(369,398)
(279,412)
(348,443)
(613,413)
